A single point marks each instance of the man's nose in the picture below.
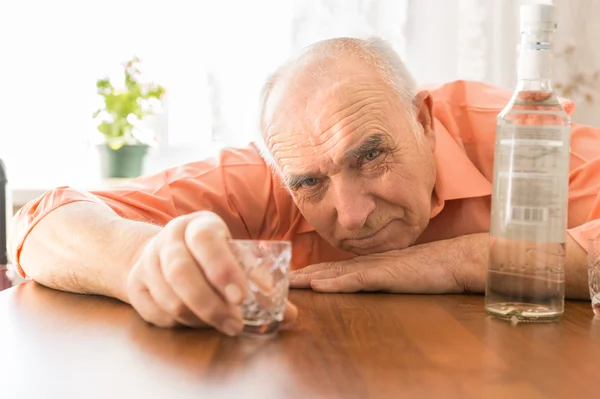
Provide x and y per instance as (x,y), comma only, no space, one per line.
(353,205)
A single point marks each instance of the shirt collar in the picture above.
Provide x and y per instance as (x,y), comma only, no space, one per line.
(456,176)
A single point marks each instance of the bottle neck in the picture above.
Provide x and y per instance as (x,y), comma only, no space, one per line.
(540,85)
(535,62)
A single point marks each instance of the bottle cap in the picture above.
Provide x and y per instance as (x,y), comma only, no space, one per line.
(536,14)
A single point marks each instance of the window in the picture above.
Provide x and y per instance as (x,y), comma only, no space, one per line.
(212,56)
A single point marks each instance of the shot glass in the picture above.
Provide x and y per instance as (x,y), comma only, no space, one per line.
(267,265)
(594,273)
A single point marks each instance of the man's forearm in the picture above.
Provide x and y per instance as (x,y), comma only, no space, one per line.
(85,248)
(468,256)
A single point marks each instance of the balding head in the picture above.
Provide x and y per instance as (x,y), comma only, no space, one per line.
(322,63)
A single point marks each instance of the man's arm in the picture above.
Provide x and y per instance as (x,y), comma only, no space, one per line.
(86,242)
(85,247)
(161,243)
(470,266)
(454,265)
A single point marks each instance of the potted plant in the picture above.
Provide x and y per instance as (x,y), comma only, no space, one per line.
(126,141)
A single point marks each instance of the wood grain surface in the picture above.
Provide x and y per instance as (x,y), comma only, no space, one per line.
(58,345)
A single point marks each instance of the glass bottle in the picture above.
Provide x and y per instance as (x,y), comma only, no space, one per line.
(525,277)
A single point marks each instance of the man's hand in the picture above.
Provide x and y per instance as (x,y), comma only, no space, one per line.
(394,271)
(442,267)
(188,275)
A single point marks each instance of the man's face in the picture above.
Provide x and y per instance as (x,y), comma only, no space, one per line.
(348,154)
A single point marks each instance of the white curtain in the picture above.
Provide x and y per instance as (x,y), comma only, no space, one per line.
(213,57)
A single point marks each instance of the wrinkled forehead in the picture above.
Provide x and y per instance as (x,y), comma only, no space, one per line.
(311,127)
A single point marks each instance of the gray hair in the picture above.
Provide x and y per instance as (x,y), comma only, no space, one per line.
(375,51)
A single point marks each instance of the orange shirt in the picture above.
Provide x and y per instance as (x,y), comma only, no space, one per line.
(238,186)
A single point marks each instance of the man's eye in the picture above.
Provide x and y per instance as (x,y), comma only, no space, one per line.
(310,182)
(371,155)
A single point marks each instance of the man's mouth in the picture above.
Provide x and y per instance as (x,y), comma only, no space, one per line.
(370,240)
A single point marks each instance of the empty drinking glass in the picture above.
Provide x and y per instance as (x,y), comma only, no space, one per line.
(266,264)
(594,273)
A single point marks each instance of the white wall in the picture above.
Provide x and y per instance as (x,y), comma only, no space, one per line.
(578,25)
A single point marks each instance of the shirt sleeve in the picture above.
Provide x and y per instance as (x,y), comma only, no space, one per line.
(237,185)
(584,184)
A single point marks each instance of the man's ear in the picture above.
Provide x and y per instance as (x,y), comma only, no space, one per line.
(424,108)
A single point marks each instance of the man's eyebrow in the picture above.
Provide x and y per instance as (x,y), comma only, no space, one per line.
(369,144)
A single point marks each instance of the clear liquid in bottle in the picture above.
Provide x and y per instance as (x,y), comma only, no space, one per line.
(526,279)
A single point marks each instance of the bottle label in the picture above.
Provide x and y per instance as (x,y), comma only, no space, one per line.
(531,183)
(535,64)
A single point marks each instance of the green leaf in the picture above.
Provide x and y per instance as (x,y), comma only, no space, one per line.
(156,92)
(105,128)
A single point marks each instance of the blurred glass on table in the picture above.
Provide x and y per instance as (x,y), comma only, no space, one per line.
(267,265)
(594,273)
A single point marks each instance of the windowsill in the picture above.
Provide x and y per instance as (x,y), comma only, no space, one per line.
(88,179)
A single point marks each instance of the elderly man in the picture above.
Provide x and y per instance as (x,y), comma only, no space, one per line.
(378,186)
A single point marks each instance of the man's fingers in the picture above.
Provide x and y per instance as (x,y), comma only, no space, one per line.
(185,277)
(361,280)
(165,297)
(318,267)
(207,239)
(302,280)
(303,277)
(145,305)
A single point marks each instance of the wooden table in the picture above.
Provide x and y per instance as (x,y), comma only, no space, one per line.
(58,345)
